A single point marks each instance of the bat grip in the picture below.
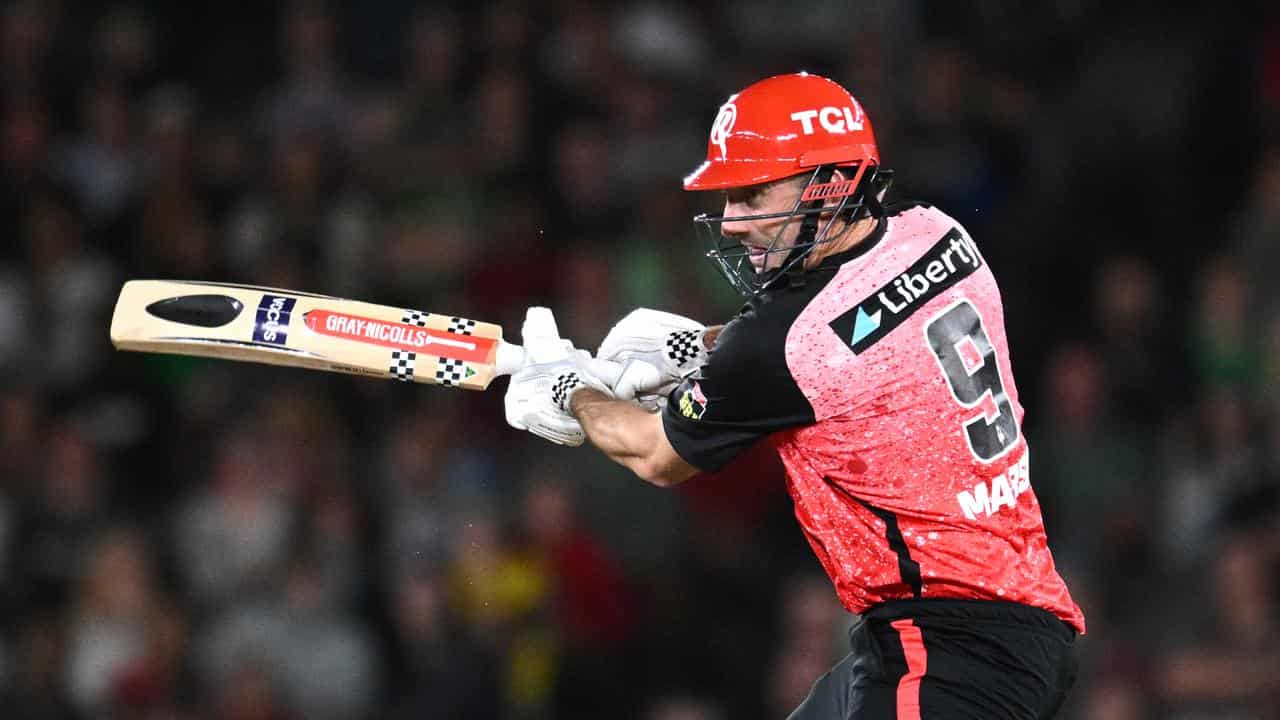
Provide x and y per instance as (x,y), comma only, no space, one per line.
(510,359)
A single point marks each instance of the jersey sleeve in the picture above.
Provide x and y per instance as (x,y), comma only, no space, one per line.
(743,393)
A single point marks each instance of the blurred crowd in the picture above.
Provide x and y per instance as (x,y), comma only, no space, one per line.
(182,538)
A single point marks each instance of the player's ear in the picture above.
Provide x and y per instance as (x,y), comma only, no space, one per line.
(837,175)
(841,175)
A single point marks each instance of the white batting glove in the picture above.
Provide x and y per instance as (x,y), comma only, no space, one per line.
(538,397)
(656,349)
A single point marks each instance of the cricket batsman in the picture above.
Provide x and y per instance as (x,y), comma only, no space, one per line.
(871,352)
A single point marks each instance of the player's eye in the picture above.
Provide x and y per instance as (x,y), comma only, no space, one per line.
(749,196)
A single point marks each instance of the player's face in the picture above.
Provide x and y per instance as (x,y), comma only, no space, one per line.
(761,236)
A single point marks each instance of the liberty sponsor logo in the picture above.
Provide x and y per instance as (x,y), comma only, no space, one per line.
(692,402)
(272,322)
(398,335)
(949,261)
(987,498)
(723,125)
(836,120)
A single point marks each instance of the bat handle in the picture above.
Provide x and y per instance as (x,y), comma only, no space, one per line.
(510,359)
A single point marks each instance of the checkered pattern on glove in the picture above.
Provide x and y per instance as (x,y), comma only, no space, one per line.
(684,346)
(563,389)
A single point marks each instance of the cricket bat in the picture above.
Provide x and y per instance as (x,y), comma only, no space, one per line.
(285,327)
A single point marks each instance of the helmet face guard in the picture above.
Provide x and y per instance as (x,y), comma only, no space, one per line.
(855,198)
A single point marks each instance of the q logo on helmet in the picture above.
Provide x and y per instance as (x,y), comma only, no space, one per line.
(723,125)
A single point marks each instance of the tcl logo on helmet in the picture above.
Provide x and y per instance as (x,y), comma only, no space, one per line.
(723,125)
(838,120)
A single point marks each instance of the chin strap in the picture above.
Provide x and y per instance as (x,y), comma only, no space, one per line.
(871,197)
(808,229)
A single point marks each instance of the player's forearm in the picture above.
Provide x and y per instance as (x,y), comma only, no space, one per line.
(630,436)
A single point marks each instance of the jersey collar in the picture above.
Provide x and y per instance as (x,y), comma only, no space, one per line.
(835,260)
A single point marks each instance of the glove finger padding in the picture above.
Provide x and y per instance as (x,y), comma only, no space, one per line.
(541,337)
(638,378)
(656,350)
(557,428)
(644,331)
(537,399)
(529,406)
(520,394)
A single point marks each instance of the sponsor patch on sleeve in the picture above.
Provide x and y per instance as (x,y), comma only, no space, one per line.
(692,402)
(949,261)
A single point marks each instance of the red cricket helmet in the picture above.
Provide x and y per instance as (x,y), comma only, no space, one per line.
(783,126)
(777,128)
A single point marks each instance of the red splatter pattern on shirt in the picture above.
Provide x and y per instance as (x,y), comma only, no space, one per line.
(889,478)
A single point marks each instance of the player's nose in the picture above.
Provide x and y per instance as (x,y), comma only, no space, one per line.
(734,229)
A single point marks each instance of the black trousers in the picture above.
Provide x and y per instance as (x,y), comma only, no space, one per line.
(948,659)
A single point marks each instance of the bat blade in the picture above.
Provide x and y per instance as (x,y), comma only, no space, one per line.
(285,327)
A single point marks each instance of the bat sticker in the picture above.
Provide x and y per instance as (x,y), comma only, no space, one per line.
(396,335)
(208,311)
(272,324)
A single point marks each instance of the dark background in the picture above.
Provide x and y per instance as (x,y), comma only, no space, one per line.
(182,538)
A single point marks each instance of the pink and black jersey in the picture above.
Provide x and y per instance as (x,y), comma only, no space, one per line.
(884,382)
